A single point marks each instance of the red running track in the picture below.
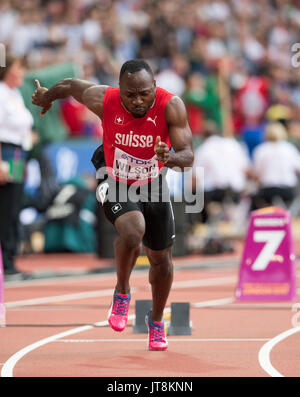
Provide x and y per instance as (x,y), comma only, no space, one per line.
(57,327)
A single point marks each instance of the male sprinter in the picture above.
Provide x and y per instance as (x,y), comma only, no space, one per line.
(141,122)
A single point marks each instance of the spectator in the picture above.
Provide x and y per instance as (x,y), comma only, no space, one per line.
(225,164)
(15,141)
(209,156)
(173,77)
(185,42)
(202,101)
(276,164)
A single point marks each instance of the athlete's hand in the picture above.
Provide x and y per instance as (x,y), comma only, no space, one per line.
(162,150)
(39,99)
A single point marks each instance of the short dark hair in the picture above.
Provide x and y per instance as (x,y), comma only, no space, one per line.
(135,65)
(9,61)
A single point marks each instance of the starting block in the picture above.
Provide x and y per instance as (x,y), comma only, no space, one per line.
(2,306)
(268,267)
(142,307)
(177,320)
(180,319)
(142,261)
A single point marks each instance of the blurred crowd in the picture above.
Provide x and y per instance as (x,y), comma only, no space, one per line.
(233,62)
(189,43)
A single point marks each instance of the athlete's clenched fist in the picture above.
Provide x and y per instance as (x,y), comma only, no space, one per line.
(39,99)
(162,150)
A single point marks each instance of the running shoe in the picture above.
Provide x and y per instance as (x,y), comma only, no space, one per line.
(118,312)
(156,334)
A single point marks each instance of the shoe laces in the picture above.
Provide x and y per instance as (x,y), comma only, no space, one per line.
(157,332)
(120,306)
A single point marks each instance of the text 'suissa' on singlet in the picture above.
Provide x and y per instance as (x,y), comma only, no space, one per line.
(128,141)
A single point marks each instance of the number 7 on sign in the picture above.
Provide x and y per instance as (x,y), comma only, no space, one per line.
(272,238)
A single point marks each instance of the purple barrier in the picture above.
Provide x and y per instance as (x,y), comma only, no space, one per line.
(268,267)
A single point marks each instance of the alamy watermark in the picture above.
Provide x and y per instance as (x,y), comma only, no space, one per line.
(158,189)
(2,55)
(295,60)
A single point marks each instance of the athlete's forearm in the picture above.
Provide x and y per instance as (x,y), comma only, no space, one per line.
(67,87)
(181,159)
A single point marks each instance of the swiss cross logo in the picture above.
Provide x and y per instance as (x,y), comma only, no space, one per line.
(119,120)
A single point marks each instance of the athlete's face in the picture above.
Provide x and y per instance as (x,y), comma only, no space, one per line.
(137,91)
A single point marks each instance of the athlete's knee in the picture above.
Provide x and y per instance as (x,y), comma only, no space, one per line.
(132,239)
(161,262)
(131,229)
(132,236)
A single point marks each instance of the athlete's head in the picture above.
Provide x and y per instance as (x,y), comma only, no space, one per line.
(137,87)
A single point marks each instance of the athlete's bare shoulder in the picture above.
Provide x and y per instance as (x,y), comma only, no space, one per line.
(179,132)
(176,112)
(93,98)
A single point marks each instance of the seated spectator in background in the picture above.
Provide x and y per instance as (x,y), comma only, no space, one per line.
(225,165)
(79,120)
(276,163)
(253,135)
(249,105)
(202,101)
(209,157)
(172,78)
(194,97)
(237,162)
(73,115)
(279,113)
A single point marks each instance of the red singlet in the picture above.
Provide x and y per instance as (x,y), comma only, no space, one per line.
(128,141)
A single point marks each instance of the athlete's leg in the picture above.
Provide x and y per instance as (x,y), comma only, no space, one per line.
(131,228)
(160,278)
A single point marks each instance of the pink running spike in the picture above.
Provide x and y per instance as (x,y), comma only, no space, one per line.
(118,312)
(156,334)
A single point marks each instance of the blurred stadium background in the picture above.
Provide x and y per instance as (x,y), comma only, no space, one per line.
(229,60)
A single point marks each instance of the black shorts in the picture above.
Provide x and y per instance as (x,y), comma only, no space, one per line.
(152,200)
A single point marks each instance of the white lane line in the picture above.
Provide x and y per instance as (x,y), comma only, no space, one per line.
(264,353)
(97,293)
(8,367)
(169,340)
(66,279)
(213,302)
(204,282)
(60,298)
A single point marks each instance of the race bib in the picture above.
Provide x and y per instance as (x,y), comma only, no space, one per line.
(128,167)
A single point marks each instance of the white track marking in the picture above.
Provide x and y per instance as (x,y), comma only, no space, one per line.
(205,282)
(63,279)
(8,367)
(108,292)
(264,353)
(169,340)
(213,302)
(61,298)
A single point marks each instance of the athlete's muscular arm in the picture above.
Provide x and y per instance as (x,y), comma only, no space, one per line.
(180,137)
(85,92)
